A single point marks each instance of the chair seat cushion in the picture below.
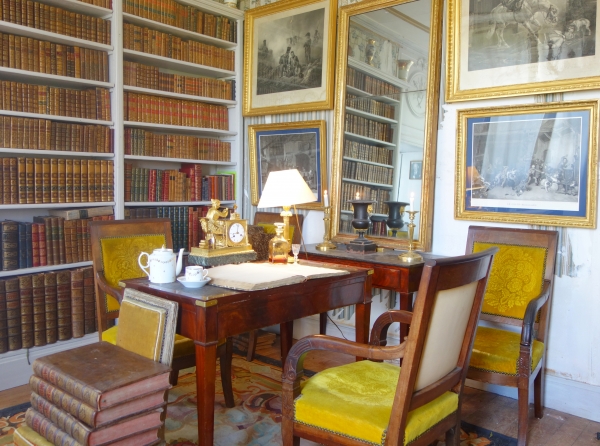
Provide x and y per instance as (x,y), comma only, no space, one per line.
(497,351)
(355,400)
(183,346)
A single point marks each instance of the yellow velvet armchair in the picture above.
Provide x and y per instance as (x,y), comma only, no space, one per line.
(116,246)
(377,403)
(519,294)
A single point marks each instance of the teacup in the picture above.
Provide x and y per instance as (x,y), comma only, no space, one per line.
(195,273)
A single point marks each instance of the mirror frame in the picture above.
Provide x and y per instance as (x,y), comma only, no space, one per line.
(425,207)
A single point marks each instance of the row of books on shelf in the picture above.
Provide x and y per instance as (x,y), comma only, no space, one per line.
(367,172)
(352,191)
(370,84)
(371,106)
(142,142)
(55,180)
(71,406)
(185,17)
(145,76)
(48,240)
(371,129)
(41,56)
(40,309)
(185,227)
(150,41)
(368,152)
(91,103)
(101,3)
(167,111)
(56,20)
(43,134)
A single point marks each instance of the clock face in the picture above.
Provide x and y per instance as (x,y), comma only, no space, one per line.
(237,232)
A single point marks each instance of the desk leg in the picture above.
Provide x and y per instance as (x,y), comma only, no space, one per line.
(363,321)
(406,300)
(206,365)
(287,336)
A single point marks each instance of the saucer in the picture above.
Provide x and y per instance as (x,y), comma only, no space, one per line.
(195,284)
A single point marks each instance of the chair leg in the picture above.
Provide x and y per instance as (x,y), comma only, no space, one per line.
(173,377)
(523,416)
(453,436)
(252,340)
(538,390)
(287,433)
(226,356)
(323,323)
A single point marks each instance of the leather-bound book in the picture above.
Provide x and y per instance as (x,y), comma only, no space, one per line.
(137,377)
(74,250)
(119,435)
(55,240)
(26,298)
(87,243)
(3,318)
(14,181)
(80,239)
(69,227)
(39,310)
(43,243)
(44,393)
(22,180)
(98,180)
(38,180)
(89,300)
(9,232)
(69,181)
(51,307)
(62,258)
(46,181)
(91,181)
(29,244)
(62,180)
(77,306)
(22,244)
(84,182)
(13,313)
(76,181)
(35,244)
(63,300)
(47,221)
(111,175)
(103,180)
(29,184)
(54,180)
(6,181)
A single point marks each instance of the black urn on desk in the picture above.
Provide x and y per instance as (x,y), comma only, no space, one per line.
(361,223)
(395,211)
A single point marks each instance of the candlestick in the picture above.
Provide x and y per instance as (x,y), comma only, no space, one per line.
(412,201)
(411,256)
(325,199)
(327,244)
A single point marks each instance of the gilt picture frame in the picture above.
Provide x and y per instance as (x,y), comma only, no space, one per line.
(289,55)
(529,164)
(500,48)
(289,145)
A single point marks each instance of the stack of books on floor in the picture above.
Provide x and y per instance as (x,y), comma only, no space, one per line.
(73,402)
(264,339)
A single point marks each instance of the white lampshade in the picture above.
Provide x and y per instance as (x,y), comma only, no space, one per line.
(285,188)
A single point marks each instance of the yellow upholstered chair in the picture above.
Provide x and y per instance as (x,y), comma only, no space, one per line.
(519,294)
(116,246)
(377,403)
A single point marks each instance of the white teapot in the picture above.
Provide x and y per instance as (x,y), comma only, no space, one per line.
(164,265)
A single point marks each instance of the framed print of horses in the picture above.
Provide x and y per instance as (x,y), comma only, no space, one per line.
(531,164)
(289,54)
(499,48)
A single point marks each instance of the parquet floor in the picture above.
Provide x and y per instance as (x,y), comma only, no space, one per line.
(484,409)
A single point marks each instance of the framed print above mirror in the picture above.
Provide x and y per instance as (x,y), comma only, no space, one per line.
(386,111)
(498,48)
(289,145)
(288,57)
(534,164)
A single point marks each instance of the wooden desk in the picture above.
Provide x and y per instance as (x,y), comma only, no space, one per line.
(208,314)
(389,272)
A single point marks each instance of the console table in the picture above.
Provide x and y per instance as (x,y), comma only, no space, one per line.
(390,273)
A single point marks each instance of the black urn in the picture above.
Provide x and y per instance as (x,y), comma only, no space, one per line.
(361,223)
(395,211)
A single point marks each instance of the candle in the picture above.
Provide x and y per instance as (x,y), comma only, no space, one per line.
(325,199)
(412,201)
(358,195)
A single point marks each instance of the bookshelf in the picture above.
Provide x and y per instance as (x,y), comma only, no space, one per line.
(47,61)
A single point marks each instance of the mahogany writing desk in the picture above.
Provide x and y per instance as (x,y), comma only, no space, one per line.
(390,273)
(209,313)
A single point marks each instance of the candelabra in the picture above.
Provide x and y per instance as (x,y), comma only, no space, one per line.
(327,244)
(411,256)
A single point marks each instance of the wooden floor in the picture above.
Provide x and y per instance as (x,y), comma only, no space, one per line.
(484,409)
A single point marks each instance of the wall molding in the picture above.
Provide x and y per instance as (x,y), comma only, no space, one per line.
(16,368)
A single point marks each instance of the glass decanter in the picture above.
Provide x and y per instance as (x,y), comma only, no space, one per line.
(279,247)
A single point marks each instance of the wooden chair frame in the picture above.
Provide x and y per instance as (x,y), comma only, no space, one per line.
(113,228)
(438,275)
(532,325)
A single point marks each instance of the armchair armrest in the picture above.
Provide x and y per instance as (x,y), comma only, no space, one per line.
(530,313)
(117,293)
(383,322)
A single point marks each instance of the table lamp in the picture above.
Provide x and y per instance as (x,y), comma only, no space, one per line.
(285,188)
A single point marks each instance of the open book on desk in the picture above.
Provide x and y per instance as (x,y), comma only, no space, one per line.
(262,276)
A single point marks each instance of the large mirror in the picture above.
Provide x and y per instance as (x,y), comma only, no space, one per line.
(386,113)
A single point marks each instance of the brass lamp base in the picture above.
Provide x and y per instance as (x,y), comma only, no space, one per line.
(411,257)
(326,246)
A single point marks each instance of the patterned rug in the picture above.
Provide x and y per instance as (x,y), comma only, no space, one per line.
(255,420)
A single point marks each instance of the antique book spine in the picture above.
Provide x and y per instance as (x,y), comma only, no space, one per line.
(63,299)
(77,305)
(84,182)
(13,314)
(54,181)
(69,181)
(74,249)
(26,298)
(103,180)
(98,180)
(14,184)
(51,307)
(80,234)
(39,310)
(9,231)
(69,226)
(111,180)
(22,182)
(62,180)
(47,429)
(46,181)
(3,318)
(87,246)
(28,245)
(35,244)
(6,181)
(77,181)
(38,181)
(29,180)
(54,240)
(61,240)
(22,245)
(89,301)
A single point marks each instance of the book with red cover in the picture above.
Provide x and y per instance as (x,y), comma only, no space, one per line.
(82,373)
